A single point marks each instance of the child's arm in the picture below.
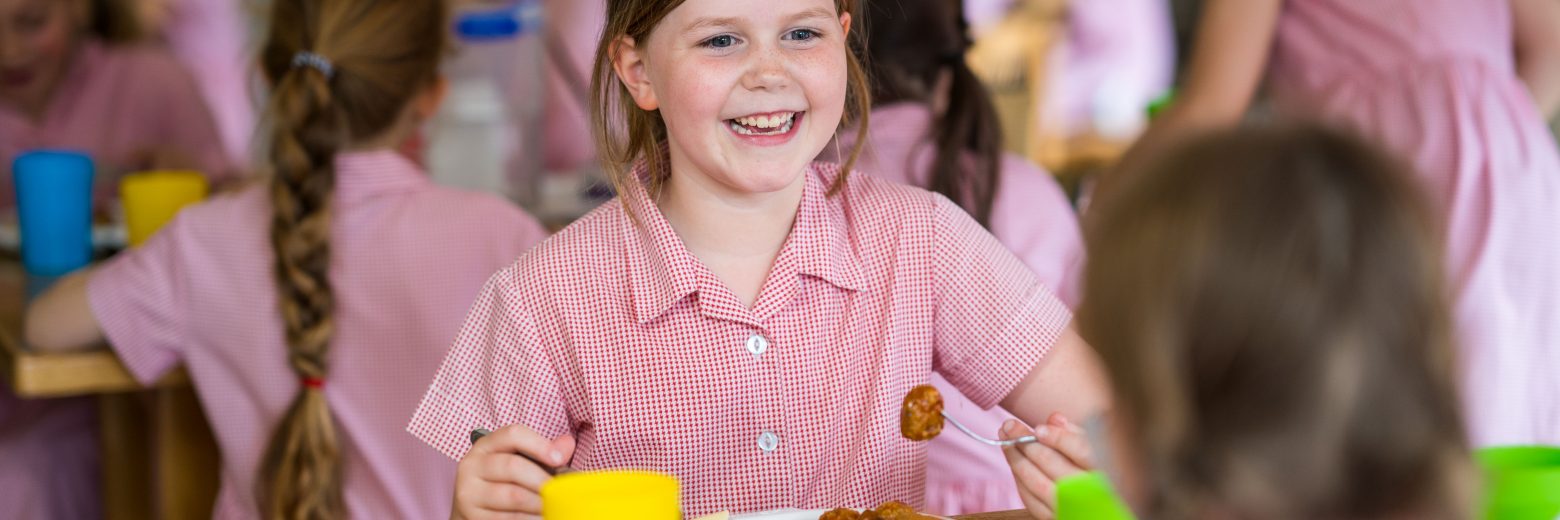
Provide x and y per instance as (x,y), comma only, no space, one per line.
(61,320)
(1068,380)
(1536,29)
(1066,387)
(1225,67)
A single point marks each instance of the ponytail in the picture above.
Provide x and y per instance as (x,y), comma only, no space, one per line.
(912,46)
(301,474)
(968,164)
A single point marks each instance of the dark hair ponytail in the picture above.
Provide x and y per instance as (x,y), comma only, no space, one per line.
(912,45)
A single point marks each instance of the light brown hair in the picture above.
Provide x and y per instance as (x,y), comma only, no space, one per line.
(626,134)
(382,54)
(1269,305)
(911,44)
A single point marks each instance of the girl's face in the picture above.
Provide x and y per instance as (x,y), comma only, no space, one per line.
(36,38)
(750,90)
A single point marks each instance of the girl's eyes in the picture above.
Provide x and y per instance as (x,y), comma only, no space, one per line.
(724,41)
(720,42)
(801,35)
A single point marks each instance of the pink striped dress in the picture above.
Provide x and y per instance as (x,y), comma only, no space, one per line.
(1435,80)
(1030,216)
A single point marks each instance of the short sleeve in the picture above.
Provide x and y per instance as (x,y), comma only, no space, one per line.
(139,300)
(995,320)
(497,373)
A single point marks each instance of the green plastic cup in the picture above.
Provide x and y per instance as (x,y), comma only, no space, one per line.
(1089,496)
(1521,482)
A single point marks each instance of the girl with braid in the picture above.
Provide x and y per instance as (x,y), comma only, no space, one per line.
(309,310)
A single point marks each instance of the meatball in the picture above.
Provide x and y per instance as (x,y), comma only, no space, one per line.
(841,514)
(898,510)
(921,418)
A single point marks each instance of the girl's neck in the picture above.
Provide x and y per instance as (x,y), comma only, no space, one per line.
(736,235)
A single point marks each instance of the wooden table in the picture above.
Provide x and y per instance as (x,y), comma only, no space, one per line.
(159,457)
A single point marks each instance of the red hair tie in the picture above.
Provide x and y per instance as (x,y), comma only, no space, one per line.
(314,382)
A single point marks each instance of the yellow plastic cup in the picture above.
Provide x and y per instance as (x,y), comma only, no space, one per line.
(152,198)
(598,495)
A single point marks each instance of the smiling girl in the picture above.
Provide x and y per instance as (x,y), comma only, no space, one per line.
(741,317)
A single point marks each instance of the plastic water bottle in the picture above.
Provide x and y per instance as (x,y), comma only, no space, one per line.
(487,135)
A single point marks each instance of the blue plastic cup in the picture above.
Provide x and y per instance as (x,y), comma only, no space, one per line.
(54,209)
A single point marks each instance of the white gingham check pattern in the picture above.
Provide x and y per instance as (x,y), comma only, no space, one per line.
(617,334)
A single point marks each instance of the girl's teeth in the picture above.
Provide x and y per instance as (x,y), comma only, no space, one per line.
(763,125)
(766,121)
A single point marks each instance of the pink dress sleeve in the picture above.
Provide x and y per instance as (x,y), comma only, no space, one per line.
(496,374)
(138,299)
(995,319)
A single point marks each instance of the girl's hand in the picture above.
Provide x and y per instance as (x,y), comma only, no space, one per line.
(494,481)
(1063,451)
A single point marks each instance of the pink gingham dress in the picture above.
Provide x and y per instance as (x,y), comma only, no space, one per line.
(1435,80)
(407,258)
(617,334)
(1032,217)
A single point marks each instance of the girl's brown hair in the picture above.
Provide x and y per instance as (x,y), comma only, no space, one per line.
(626,134)
(1269,306)
(381,54)
(911,44)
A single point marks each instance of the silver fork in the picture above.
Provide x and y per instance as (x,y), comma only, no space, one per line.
(993,442)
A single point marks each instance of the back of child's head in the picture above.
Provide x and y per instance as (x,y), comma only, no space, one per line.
(1269,306)
(342,73)
(915,54)
(626,134)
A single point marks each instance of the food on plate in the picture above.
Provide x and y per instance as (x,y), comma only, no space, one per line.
(898,510)
(841,514)
(886,511)
(921,417)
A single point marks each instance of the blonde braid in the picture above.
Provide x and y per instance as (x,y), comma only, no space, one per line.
(301,477)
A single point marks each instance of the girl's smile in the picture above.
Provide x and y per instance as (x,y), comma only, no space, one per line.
(774,128)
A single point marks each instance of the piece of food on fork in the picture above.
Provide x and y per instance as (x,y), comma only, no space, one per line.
(921,418)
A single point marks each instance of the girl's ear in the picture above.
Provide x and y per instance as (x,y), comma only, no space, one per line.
(628,61)
(845,22)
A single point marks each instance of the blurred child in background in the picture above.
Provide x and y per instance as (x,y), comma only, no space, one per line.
(64,85)
(304,308)
(1270,307)
(1462,87)
(129,107)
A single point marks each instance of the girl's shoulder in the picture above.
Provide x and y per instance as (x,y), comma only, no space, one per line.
(868,202)
(592,244)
